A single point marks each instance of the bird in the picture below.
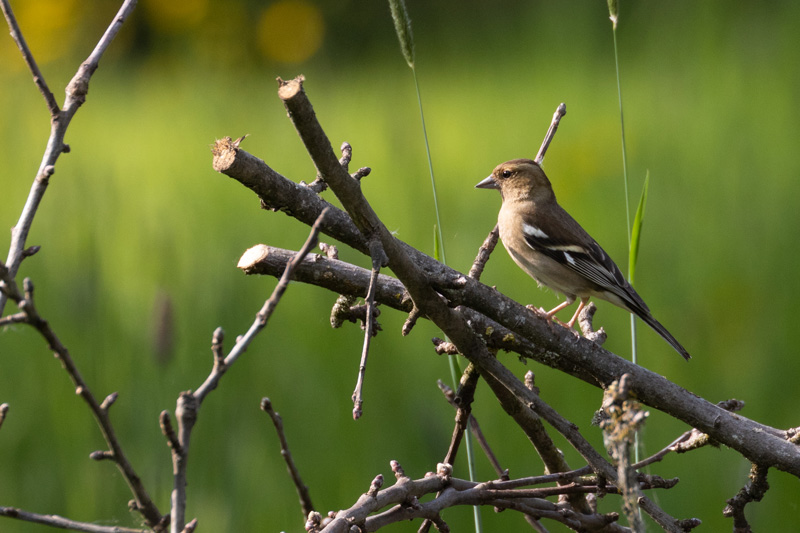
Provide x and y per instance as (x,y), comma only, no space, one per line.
(553,248)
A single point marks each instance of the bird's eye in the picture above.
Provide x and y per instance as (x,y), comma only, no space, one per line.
(505,173)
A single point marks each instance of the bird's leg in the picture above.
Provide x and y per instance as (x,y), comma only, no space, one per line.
(583,303)
(552,313)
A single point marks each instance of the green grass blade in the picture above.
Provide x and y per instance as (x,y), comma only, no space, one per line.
(437,243)
(636,232)
(402,25)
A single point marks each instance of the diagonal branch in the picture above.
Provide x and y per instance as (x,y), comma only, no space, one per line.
(302,489)
(143,503)
(60,522)
(76,95)
(38,78)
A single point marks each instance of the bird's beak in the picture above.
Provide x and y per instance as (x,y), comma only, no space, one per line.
(487,183)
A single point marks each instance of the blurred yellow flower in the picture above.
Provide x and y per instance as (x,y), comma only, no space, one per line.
(290,31)
(48,27)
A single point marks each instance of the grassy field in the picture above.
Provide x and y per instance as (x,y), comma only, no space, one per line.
(135,216)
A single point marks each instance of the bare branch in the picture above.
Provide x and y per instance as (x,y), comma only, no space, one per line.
(266,311)
(190,527)
(378,259)
(752,492)
(144,504)
(577,356)
(38,78)
(189,403)
(76,96)
(460,306)
(462,402)
(561,110)
(56,521)
(484,252)
(403,502)
(302,489)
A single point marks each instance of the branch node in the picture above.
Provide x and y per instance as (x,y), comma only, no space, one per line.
(530,382)
(444,347)
(313,522)
(411,321)
(190,527)
(31,250)
(318,185)
(398,471)
(330,250)
(347,155)
(375,486)
(165,422)
(585,321)
(109,401)
(217,348)
(101,455)
(343,310)
(444,470)
(362,172)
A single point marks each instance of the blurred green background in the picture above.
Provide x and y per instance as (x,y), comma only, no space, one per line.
(136,221)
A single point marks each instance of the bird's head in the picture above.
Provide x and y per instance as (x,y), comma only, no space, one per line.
(519,179)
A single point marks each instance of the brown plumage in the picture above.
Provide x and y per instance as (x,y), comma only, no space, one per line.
(548,244)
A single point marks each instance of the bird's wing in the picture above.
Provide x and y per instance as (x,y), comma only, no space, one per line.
(587,259)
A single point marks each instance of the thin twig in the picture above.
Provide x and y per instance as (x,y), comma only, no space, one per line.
(266,311)
(59,522)
(378,259)
(462,402)
(144,504)
(754,491)
(191,526)
(76,95)
(484,252)
(561,110)
(38,78)
(189,402)
(306,506)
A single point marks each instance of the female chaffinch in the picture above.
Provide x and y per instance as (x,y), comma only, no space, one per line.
(548,244)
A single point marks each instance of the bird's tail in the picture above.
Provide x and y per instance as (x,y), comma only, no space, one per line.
(661,330)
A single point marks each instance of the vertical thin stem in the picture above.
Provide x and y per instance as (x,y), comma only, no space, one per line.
(440,233)
(634,354)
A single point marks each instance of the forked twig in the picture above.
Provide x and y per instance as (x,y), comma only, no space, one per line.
(189,402)
(60,119)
